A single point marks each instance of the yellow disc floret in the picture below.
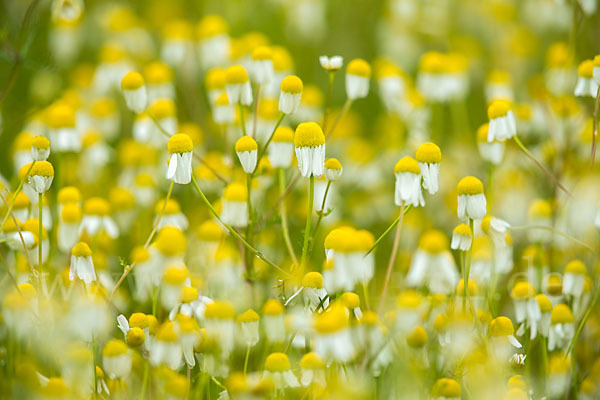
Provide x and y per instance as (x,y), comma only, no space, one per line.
(135,337)
(180,143)
(359,67)
(586,69)
(313,280)
(283,134)
(561,314)
(291,84)
(433,241)
(236,75)
(311,361)
(273,308)
(81,249)
(40,142)
(469,185)
(333,163)
(132,81)
(501,326)
(407,164)
(417,337)
(42,168)
(96,206)
(498,108)
(576,267)
(463,229)
(277,362)
(429,153)
(522,291)
(114,348)
(245,143)
(235,192)
(309,134)
(248,316)
(219,310)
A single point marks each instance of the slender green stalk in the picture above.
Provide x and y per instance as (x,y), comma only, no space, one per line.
(40,231)
(388,273)
(247,256)
(345,109)
(536,162)
(464,273)
(586,316)
(144,380)
(14,196)
(148,240)
(490,188)
(284,221)
(595,128)
(468,267)
(311,196)
(256,102)
(155,301)
(388,230)
(242,122)
(246,359)
(328,100)
(233,231)
(264,148)
(322,212)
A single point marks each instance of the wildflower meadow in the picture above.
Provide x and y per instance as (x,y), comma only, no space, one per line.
(299,199)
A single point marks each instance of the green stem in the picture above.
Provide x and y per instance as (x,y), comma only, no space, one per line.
(595,129)
(586,316)
(246,359)
(388,230)
(468,267)
(255,119)
(242,122)
(40,232)
(311,195)
(490,187)
(14,196)
(233,231)
(248,258)
(388,273)
(322,207)
(328,100)
(284,222)
(264,149)
(536,162)
(144,381)
(345,109)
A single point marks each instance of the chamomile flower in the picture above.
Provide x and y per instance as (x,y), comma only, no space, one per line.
(235,206)
(540,213)
(502,332)
(262,65)
(165,348)
(312,370)
(223,111)
(313,291)
(471,199)
(214,42)
(159,82)
(358,74)
(498,86)
(333,169)
(274,320)
(331,64)
(63,133)
(281,149)
(408,183)
(586,85)
(248,324)
(351,301)
(446,389)
(163,111)
(96,218)
(188,337)
(522,293)
(503,124)
(574,278)
(82,266)
(429,157)
(291,93)
(278,367)
(247,152)
(116,359)
(333,340)
(173,281)
(40,148)
(171,216)
(562,327)
(493,151)
(180,148)
(462,238)
(309,142)
(219,319)
(432,265)
(134,91)
(237,85)
(41,176)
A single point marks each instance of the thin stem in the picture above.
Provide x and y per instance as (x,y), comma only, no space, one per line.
(595,128)
(255,119)
(287,191)
(586,316)
(311,195)
(468,267)
(544,170)
(366,295)
(144,381)
(40,231)
(148,240)
(322,211)
(388,230)
(345,109)
(264,149)
(248,258)
(246,359)
(390,266)
(242,122)
(14,196)
(284,222)
(233,231)
(328,101)
(556,231)
(490,187)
